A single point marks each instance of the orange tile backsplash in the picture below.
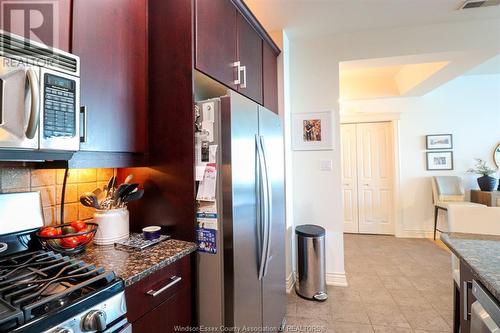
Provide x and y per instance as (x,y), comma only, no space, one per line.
(49,183)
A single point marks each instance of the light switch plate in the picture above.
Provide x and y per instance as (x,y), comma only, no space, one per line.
(326,165)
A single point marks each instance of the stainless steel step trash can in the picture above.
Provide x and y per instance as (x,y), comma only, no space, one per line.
(311,280)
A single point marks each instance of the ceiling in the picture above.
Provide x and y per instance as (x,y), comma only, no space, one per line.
(406,76)
(324,17)
(491,66)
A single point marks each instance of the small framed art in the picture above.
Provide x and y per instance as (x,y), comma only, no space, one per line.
(439,160)
(439,141)
(312,131)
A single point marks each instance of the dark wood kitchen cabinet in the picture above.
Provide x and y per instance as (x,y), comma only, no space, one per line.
(466,298)
(249,56)
(111,39)
(171,307)
(270,78)
(226,33)
(216,45)
(60,38)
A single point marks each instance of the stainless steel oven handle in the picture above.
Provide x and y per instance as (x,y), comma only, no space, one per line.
(173,281)
(34,119)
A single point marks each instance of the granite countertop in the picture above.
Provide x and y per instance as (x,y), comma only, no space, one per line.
(134,265)
(481,253)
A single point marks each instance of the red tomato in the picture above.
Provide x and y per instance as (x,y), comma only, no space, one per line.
(69,242)
(79,225)
(85,238)
(49,231)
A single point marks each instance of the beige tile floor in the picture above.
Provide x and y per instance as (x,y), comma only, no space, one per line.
(395,285)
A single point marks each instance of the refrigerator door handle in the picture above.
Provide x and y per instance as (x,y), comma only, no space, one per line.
(262,200)
(268,204)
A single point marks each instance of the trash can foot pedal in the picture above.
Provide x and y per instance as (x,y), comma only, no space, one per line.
(321,297)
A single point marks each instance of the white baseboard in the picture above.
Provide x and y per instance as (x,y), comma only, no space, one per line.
(336,279)
(417,234)
(290,282)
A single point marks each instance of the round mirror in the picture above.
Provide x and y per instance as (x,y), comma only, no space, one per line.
(496,155)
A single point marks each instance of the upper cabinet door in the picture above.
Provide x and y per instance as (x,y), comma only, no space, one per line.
(250,56)
(111,39)
(216,40)
(270,75)
(54,31)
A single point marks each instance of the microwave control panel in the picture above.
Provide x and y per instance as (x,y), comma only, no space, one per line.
(59,118)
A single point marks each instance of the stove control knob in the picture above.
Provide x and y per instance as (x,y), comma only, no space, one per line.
(95,320)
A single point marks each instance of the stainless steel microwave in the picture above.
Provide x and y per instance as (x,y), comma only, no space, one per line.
(39,96)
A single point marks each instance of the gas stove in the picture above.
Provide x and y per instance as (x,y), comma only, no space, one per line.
(43,291)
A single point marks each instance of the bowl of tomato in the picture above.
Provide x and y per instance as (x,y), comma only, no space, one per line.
(67,238)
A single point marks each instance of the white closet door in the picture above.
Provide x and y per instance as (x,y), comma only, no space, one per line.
(375,178)
(349,177)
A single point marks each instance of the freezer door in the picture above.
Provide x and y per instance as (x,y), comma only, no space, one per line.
(242,288)
(273,282)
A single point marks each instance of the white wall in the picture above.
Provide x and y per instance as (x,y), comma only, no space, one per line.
(317,198)
(467,107)
(281,39)
(314,86)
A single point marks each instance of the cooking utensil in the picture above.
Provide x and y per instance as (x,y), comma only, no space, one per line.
(128,179)
(122,191)
(134,195)
(89,199)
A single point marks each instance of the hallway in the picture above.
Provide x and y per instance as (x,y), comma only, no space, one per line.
(395,285)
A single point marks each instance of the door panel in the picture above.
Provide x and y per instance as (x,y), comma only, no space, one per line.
(239,124)
(273,285)
(113,72)
(216,46)
(250,56)
(349,177)
(375,177)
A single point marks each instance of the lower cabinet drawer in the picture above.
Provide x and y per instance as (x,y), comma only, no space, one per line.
(147,294)
(176,311)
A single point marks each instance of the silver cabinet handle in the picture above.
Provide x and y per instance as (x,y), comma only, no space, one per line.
(34,119)
(244,84)
(83,124)
(238,72)
(465,290)
(173,281)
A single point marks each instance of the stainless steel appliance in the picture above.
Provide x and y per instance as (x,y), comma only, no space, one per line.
(485,311)
(43,291)
(39,96)
(242,284)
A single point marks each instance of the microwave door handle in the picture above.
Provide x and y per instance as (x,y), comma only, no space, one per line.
(34,118)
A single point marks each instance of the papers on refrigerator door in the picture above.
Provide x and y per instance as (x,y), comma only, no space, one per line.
(207,187)
(206,230)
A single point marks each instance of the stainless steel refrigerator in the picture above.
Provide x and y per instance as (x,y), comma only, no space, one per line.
(242,283)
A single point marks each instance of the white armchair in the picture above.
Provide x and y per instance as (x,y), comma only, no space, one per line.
(446,191)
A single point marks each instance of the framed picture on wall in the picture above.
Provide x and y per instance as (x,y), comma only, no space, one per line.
(312,131)
(439,141)
(440,160)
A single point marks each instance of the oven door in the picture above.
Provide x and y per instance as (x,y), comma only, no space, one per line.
(19,105)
